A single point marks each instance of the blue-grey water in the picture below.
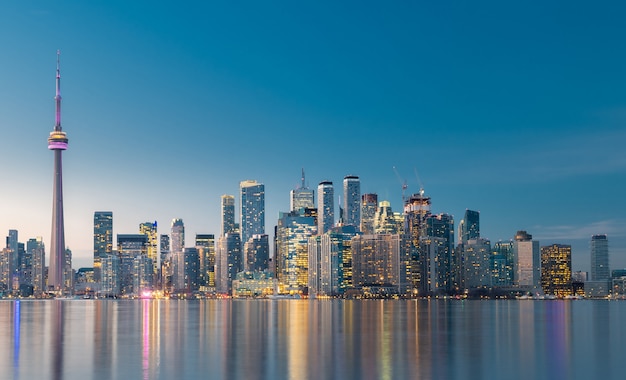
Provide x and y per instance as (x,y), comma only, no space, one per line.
(307,339)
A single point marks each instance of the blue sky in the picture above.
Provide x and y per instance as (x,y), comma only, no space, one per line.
(514,109)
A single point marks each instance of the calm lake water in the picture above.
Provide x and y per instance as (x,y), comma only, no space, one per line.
(305,339)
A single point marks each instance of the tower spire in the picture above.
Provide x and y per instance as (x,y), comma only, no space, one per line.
(57,97)
(303,185)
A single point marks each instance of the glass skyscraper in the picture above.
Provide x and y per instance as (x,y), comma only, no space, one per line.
(228,214)
(556,269)
(325,207)
(252,209)
(102,240)
(301,197)
(352,201)
(599,258)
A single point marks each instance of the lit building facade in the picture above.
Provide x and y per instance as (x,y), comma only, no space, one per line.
(301,197)
(477,265)
(369,206)
(502,264)
(227,214)
(205,244)
(376,262)
(129,248)
(37,250)
(291,252)
(152,246)
(325,207)
(252,209)
(229,261)
(600,258)
(330,261)
(556,270)
(177,254)
(256,254)
(527,261)
(102,239)
(386,221)
(352,201)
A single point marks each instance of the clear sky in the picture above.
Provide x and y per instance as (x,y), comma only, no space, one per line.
(514,109)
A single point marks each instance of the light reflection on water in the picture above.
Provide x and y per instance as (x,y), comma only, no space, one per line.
(302,339)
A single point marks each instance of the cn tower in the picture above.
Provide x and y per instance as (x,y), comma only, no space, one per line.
(57,142)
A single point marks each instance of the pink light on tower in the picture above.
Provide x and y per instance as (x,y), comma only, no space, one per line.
(57,142)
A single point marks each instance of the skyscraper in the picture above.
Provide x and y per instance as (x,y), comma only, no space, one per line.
(256,253)
(150,230)
(369,206)
(352,201)
(469,228)
(526,261)
(291,253)
(57,142)
(301,197)
(556,270)
(252,209)
(177,254)
(102,240)
(38,253)
(129,248)
(599,258)
(14,258)
(228,214)
(325,207)
(205,245)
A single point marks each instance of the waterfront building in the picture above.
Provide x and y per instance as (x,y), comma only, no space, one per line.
(502,263)
(205,244)
(256,254)
(229,261)
(253,284)
(227,214)
(325,207)
(177,254)
(150,230)
(129,247)
(376,264)
(165,274)
(352,201)
(252,209)
(192,270)
(527,261)
(438,257)
(37,251)
(416,211)
(291,251)
(330,261)
(102,239)
(301,197)
(556,270)
(477,266)
(369,206)
(57,142)
(110,275)
(5,270)
(142,275)
(469,227)
(14,259)
(600,258)
(68,273)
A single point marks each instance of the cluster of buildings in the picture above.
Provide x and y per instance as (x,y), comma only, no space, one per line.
(363,250)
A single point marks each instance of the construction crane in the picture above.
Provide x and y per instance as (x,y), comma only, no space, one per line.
(404,185)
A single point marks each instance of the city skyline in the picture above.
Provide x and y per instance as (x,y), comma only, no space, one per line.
(168,113)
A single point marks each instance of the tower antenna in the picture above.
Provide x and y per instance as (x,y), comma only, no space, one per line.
(57,97)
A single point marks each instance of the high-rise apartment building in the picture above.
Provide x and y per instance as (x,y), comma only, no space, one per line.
(556,270)
(301,197)
(527,261)
(369,206)
(416,211)
(38,254)
(14,258)
(150,230)
(205,245)
(325,207)
(376,262)
(352,201)
(102,239)
(386,221)
(227,214)
(291,253)
(476,269)
(252,209)
(256,253)
(502,264)
(229,261)
(177,254)
(599,258)
(129,248)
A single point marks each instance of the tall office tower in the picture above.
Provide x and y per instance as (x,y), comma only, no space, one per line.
(192,270)
(57,142)
(165,275)
(102,239)
(252,209)
(416,211)
(369,206)
(476,264)
(143,277)
(301,197)
(129,247)
(469,227)
(376,263)
(5,268)
(68,273)
(150,230)
(256,253)
(291,253)
(177,254)
(599,258)
(325,207)
(228,261)
(110,276)
(526,261)
(386,221)
(352,200)
(436,256)
(38,252)
(228,214)
(502,264)
(330,261)
(14,258)
(205,245)
(556,270)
